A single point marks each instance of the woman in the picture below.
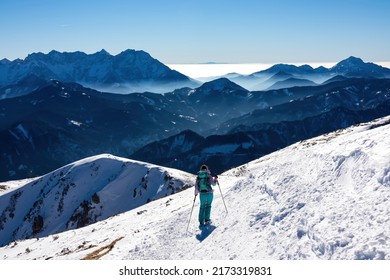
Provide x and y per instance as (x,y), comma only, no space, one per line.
(203,186)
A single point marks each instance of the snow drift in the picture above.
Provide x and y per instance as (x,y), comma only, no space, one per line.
(324,198)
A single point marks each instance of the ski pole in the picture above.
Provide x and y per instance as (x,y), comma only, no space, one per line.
(192,209)
(222,196)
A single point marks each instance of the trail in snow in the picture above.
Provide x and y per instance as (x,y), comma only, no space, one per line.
(324,198)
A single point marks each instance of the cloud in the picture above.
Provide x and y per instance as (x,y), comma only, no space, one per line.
(216,69)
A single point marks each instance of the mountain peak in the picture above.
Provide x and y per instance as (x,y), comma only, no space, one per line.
(288,68)
(53,52)
(34,56)
(221,84)
(4,61)
(133,52)
(350,61)
(103,52)
(354,59)
(356,67)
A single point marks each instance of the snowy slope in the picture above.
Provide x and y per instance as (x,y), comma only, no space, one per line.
(82,193)
(324,198)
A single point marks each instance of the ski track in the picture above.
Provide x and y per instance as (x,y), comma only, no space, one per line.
(325,198)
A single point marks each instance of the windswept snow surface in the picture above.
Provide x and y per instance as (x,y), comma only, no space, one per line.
(82,193)
(324,198)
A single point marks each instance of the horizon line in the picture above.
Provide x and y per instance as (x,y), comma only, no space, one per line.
(202,70)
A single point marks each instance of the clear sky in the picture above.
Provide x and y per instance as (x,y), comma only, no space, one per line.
(196,31)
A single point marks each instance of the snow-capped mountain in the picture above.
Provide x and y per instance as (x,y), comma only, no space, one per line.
(350,67)
(356,67)
(82,193)
(239,140)
(354,94)
(129,71)
(324,198)
(63,122)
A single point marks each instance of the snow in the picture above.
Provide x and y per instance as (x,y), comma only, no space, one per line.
(189,118)
(20,133)
(321,199)
(76,123)
(23,131)
(83,192)
(122,73)
(11,185)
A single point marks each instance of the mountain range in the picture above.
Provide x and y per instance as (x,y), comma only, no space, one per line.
(129,71)
(63,122)
(219,122)
(302,165)
(279,124)
(325,198)
(285,75)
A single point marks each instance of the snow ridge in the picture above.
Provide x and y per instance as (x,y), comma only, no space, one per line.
(87,191)
(324,198)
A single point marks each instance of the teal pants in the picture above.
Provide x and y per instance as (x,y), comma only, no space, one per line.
(206,199)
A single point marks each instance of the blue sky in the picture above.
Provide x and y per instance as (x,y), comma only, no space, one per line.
(189,31)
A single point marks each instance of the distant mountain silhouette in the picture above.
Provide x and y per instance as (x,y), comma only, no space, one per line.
(126,72)
(350,67)
(50,122)
(292,82)
(356,67)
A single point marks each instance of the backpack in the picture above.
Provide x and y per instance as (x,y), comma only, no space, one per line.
(203,181)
